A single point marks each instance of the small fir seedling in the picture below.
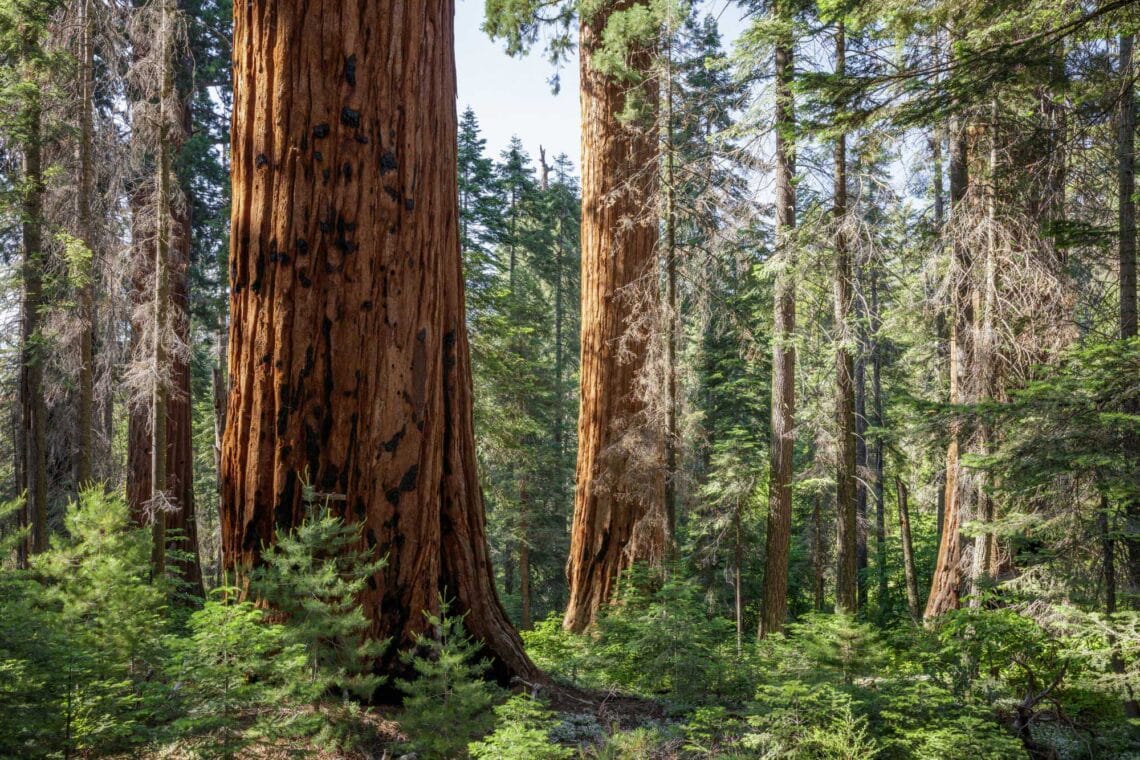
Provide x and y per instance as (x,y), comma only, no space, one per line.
(313,578)
(449,702)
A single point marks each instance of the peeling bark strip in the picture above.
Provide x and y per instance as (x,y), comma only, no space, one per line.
(617,519)
(349,358)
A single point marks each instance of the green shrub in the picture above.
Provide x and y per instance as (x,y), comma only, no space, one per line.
(314,576)
(661,641)
(448,703)
(110,625)
(231,674)
(522,732)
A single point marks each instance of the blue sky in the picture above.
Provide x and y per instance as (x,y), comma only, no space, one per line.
(513,96)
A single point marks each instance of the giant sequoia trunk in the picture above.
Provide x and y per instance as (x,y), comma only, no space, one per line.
(775,607)
(619,503)
(348,350)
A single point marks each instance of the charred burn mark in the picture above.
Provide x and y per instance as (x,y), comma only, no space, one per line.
(325,174)
(329,478)
(312,447)
(366,306)
(421,336)
(318,156)
(283,514)
(408,481)
(302,246)
(393,496)
(283,259)
(305,281)
(307,367)
(350,70)
(409,205)
(283,411)
(261,161)
(259,272)
(349,117)
(346,171)
(361,139)
(392,443)
(321,131)
(370,536)
(388,162)
(392,193)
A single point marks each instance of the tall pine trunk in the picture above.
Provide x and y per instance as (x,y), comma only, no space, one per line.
(33,406)
(1126,180)
(778,545)
(945,583)
(619,501)
(846,583)
(85,424)
(909,570)
(348,352)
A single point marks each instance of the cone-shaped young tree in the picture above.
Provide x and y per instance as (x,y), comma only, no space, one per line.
(348,349)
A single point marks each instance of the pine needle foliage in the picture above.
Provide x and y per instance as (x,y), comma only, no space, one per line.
(313,577)
(449,702)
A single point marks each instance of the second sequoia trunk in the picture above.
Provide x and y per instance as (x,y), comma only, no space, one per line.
(348,349)
(619,514)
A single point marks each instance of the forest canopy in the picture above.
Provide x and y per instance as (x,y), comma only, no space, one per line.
(797,417)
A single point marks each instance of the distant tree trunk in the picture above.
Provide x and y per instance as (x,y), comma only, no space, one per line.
(738,576)
(877,403)
(863,343)
(85,424)
(907,550)
(672,315)
(524,559)
(945,582)
(774,610)
(164,209)
(618,506)
(818,555)
(846,582)
(348,348)
(985,374)
(1126,176)
(33,406)
(161,292)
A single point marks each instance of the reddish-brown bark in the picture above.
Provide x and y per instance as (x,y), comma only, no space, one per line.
(348,350)
(619,503)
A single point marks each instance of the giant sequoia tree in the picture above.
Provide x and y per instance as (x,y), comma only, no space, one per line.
(619,504)
(348,349)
